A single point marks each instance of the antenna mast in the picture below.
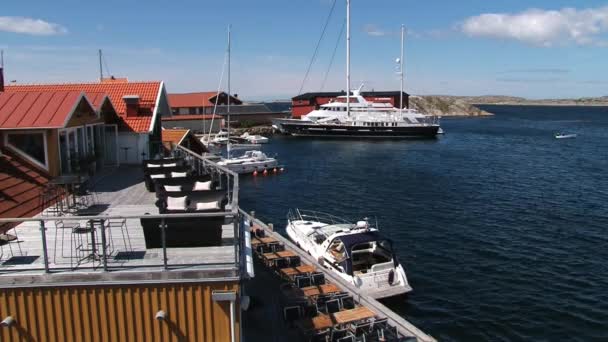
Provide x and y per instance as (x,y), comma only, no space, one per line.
(401,70)
(348,57)
(228,108)
(100,67)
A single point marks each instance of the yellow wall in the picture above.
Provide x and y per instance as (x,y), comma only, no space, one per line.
(118,313)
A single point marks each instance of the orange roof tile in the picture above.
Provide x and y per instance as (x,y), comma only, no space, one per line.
(147,91)
(174,135)
(37,109)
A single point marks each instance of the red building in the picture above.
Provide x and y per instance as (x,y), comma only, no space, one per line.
(306,103)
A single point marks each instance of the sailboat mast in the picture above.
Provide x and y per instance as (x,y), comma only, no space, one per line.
(401,69)
(348,57)
(228,108)
(100,67)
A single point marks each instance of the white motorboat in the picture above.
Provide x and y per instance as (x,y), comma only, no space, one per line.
(356,252)
(564,136)
(254,138)
(221,138)
(249,162)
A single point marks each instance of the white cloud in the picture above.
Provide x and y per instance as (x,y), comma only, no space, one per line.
(375,31)
(542,27)
(36,27)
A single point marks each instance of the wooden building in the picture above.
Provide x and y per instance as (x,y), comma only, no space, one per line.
(200,102)
(306,103)
(139,106)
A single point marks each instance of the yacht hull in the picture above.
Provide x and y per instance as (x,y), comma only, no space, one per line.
(306,129)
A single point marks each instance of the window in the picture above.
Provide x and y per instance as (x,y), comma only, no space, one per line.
(192,110)
(31,144)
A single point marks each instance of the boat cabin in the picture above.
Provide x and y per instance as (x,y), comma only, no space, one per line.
(361,253)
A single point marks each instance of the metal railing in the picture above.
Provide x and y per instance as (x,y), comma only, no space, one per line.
(203,164)
(317,216)
(41,245)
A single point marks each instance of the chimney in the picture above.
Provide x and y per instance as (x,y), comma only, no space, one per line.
(1,79)
(132,103)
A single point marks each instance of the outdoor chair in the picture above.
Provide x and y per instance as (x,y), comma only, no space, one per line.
(70,226)
(320,336)
(347,338)
(277,247)
(318,278)
(303,281)
(332,305)
(361,329)
(294,261)
(281,263)
(291,314)
(310,310)
(347,303)
(337,334)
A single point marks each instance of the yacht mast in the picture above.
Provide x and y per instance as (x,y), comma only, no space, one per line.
(401,70)
(348,57)
(228,108)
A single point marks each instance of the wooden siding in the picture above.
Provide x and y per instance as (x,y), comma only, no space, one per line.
(52,145)
(84,115)
(118,313)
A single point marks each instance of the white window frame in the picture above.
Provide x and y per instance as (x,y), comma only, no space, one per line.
(24,154)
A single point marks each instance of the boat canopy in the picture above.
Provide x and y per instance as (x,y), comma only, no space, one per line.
(352,240)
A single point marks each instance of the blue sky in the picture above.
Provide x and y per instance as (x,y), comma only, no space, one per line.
(533,48)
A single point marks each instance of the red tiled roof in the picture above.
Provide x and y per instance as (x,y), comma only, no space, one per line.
(37,109)
(20,187)
(138,124)
(174,135)
(147,91)
(191,117)
(200,99)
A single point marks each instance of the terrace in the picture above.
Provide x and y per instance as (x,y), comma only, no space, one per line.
(105,242)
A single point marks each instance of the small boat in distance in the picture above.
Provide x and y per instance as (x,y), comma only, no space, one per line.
(249,162)
(254,139)
(356,252)
(564,136)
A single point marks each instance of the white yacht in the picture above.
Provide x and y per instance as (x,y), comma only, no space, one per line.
(355,251)
(254,138)
(363,119)
(249,162)
(353,116)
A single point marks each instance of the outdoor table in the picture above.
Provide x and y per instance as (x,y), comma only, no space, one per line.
(312,291)
(356,314)
(317,323)
(306,268)
(255,241)
(69,180)
(291,272)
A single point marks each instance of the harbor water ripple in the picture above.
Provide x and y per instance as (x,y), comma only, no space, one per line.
(502,229)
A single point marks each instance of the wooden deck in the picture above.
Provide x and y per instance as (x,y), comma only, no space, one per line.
(120,192)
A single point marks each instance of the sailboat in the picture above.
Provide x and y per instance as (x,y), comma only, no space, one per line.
(353,116)
(251,160)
